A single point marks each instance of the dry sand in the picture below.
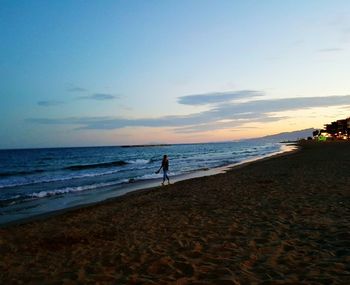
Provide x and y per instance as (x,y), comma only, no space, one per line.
(284,220)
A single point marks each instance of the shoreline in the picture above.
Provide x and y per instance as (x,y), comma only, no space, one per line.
(284,219)
(149,185)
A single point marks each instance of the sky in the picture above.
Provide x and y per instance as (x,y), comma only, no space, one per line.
(94,73)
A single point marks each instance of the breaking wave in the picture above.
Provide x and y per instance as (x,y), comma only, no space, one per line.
(20,173)
(97,165)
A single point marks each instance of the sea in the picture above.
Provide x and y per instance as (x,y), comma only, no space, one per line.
(36,182)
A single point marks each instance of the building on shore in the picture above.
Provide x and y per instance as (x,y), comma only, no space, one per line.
(337,130)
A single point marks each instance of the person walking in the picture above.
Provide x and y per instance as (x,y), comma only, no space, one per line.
(165,166)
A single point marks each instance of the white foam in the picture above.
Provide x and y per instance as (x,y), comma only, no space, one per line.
(150,176)
(43,179)
(157,176)
(138,161)
(66,190)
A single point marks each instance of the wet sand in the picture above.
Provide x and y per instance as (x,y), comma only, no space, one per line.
(283,220)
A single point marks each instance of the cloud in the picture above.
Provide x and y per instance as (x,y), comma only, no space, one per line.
(330,50)
(217,97)
(218,117)
(49,103)
(76,89)
(99,97)
(66,121)
(258,118)
(278,105)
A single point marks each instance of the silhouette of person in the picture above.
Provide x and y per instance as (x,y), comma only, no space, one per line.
(165,166)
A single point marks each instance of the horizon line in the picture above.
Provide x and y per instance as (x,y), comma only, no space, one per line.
(151,144)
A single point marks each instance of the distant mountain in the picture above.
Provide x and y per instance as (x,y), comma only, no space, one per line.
(288,136)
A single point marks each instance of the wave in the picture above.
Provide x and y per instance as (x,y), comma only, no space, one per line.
(97,165)
(56,179)
(152,176)
(139,161)
(66,190)
(155,159)
(20,173)
(43,194)
(18,198)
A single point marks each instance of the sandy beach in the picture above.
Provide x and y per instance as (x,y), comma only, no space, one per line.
(282,220)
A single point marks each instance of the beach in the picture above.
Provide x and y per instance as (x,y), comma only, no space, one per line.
(281,220)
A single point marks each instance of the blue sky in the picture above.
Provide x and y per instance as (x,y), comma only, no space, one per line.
(78,73)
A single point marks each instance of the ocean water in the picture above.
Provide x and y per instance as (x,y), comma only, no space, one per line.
(38,181)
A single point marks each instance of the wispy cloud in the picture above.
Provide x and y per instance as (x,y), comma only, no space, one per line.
(49,103)
(220,116)
(76,89)
(217,97)
(99,97)
(330,50)
(218,125)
